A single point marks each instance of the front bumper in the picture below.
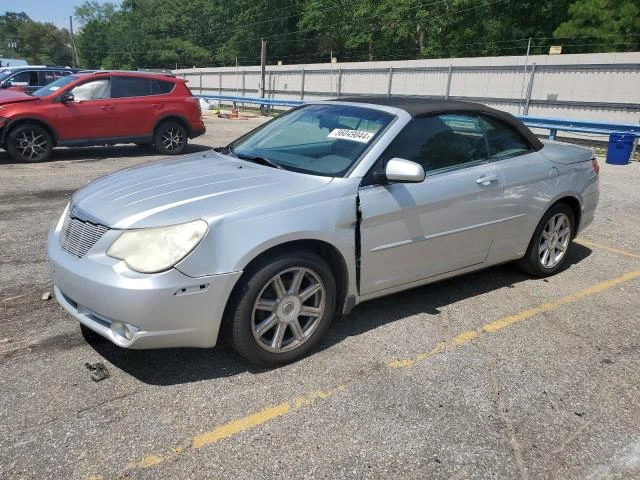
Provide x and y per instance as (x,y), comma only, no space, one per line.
(167,309)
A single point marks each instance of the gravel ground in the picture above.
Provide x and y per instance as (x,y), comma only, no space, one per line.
(490,375)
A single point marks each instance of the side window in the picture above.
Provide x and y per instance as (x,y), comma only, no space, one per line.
(93,90)
(159,87)
(46,77)
(440,141)
(25,78)
(130,87)
(503,140)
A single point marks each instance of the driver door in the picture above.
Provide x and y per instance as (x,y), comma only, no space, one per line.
(90,117)
(414,231)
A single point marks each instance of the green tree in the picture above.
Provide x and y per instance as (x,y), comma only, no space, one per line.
(602,25)
(36,42)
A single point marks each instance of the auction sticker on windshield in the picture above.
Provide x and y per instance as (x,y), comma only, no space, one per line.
(354,135)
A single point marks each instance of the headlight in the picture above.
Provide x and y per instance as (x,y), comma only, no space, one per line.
(151,250)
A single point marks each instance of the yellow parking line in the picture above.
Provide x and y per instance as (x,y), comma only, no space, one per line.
(265,415)
(600,246)
(236,426)
(509,320)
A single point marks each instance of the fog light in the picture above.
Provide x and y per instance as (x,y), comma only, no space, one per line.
(127,332)
(123,329)
(116,327)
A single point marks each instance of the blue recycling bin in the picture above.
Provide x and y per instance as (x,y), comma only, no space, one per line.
(620,148)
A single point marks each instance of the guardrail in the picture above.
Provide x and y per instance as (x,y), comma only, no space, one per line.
(552,124)
(254,100)
(582,126)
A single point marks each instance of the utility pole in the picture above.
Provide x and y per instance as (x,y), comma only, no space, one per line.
(524,75)
(263,64)
(331,72)
(74,53)
(237,92)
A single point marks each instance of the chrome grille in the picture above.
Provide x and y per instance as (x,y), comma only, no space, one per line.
(77,237)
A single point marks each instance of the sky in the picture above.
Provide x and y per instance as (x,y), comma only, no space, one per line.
(54,11)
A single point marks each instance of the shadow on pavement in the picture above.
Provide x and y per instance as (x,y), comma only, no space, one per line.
(184,365)
(101,152)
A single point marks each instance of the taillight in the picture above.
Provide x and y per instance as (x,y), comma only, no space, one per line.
(596,167)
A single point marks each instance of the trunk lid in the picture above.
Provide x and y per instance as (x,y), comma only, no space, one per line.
(566,153)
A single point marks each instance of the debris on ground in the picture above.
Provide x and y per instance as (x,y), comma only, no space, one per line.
(98,371)
(46,296)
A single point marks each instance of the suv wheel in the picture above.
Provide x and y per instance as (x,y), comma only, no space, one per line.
(547,252)
(170,138)
(283,309)
(29,143)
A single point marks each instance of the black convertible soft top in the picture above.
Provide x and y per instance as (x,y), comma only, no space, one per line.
(421,107)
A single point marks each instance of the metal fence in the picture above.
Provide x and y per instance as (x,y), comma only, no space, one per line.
(588,87)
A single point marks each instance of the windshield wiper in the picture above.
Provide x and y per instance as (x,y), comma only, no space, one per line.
(256,159)
(228,150)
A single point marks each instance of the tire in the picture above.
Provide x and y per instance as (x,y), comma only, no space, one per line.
(29,143)
(287,333)
(557,237)
(170,138)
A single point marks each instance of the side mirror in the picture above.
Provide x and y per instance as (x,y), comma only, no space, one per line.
(7,84)
(67,97)
(405,171)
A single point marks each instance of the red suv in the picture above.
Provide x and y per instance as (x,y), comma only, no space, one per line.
(100,108)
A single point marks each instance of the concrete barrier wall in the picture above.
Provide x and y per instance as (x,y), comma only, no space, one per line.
(601,86)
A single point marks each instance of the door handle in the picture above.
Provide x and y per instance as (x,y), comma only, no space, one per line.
(106,107)
(157,105)
(487,180)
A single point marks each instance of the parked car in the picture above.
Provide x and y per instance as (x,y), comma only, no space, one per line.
(100,108)
(326,206)
(30,78)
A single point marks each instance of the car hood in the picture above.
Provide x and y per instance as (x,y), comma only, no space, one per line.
(202,185)
(14,96)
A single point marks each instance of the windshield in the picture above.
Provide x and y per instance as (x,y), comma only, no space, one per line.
(317,139)
(54,86)
(5,74)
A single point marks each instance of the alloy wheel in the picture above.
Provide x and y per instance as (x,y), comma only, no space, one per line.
(554,240)
(172,139)
(288,310)
(31,144)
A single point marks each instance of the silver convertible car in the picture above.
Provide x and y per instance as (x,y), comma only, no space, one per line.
(328,205)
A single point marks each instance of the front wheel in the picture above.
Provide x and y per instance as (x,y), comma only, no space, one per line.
(29,143)
(283,308)
(547,252)
(170,138)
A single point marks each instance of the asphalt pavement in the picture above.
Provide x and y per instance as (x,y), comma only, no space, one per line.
(489,375)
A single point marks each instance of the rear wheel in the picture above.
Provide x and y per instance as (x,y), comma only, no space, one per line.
(283,309)
(29,143)
(170,138)
(547,252)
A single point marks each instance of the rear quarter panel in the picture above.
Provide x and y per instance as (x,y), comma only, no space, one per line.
(533,183)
